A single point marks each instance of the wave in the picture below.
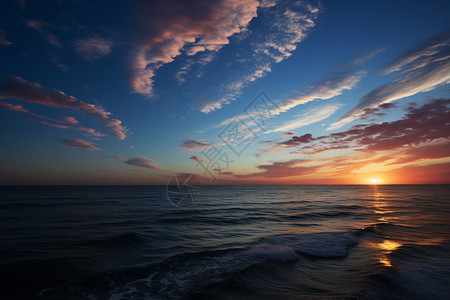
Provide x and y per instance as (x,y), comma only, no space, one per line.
(273,252)
(183,274)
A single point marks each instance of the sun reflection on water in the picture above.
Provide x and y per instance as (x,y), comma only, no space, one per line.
(386,248)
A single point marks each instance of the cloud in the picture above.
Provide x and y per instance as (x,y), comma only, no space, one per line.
(57,61)
(92,48)
(281,169)
(425,68)
(341,78)
(429,51)
(381,110)
(298,140)
(20,89)
(63,123)
(143,162)
(165,32)
(323,89)
(423,124)
(289,133)
(79,144)
(41,26)
(196,158)
(107,155)
(286,24)
(3,40)
(12,107)
(197,145)
(309,117)
(70,120)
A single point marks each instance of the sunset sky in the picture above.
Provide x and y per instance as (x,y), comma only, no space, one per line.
(238,92)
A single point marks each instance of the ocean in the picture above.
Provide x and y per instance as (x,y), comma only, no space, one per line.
(233,242)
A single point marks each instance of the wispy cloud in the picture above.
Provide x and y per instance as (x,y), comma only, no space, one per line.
(57,61)
(63,123)
(20,89)
(425,67)
(142,162)
(309,117)
(286,24)
(42,27)
(431,50)
(79,144)
(323,90)
(3,40)
(342,78)
(197,145)
(165,33)
(92,48)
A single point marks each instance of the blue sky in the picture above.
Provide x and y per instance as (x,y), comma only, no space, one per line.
(134,93)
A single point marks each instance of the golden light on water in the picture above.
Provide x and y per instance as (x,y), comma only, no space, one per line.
(389,245)
(386,247)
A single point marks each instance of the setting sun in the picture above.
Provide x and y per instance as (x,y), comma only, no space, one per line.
(374,180)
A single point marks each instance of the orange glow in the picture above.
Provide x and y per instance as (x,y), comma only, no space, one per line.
(389,245)
(374,180)
(386,247)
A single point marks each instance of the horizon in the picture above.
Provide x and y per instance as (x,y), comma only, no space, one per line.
(235,93)
(165,185)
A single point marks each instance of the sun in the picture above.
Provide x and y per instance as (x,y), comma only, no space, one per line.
(374,180)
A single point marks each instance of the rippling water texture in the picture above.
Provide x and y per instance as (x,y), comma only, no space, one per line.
(238,242)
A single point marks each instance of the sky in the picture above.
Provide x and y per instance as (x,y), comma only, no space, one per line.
(234,92)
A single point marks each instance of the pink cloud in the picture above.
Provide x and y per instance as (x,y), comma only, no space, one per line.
(142,162)
(12,107)
(172,26)
(70,120)
(20,89)
(197,145)
(79,144)
(63,123)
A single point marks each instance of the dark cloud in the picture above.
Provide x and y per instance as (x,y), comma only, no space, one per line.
(142,162)
(281,169)
(298,140)
(20,89)
(196,158)
(421,124)
(79,144)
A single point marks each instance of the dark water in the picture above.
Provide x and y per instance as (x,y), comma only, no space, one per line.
(240,242)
